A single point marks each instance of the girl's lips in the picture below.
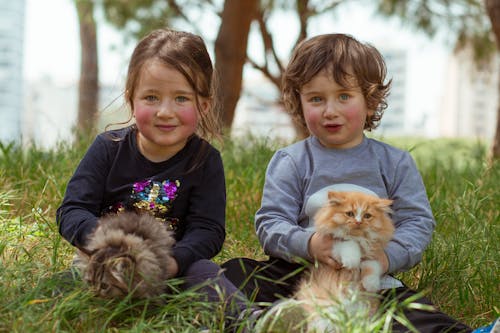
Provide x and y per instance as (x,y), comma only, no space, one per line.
(166,127)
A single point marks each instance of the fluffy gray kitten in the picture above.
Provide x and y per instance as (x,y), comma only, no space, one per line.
(128,253)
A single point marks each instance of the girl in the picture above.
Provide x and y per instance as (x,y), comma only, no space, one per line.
(161,165)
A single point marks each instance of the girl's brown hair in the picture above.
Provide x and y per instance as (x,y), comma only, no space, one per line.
(348,61)
(186,53)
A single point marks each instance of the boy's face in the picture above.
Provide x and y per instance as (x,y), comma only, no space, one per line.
(334,114)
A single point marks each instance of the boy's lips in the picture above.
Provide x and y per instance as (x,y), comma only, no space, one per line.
(333,127)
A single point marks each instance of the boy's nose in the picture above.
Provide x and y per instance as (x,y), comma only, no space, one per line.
(330,109)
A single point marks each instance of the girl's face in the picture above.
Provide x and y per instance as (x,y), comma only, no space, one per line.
(334,114)
(165,111)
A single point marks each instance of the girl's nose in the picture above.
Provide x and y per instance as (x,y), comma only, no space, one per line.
(164,110)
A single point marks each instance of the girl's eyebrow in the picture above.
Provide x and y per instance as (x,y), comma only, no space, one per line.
(176,92)
(184,92)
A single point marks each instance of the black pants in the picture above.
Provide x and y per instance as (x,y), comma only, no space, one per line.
(267,281)
(219,288)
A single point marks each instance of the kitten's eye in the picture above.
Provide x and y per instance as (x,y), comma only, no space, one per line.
(367,216)
(350,214)
(104,286)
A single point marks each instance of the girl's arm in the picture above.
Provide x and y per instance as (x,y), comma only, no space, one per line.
(78,213)
(205,222)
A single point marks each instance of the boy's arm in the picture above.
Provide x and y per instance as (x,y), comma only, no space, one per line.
(412,217)
(276,221)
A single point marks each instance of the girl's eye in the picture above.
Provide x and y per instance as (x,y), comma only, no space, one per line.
(315,99)
(151,98)
(181,99)
(350,214)
(344,97)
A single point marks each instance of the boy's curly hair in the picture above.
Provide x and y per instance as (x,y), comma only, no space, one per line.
(348,61)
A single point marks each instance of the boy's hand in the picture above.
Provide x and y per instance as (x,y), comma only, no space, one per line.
(381,257)
(320,248)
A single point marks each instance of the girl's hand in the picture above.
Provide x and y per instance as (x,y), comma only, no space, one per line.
(320,248)
(172,267)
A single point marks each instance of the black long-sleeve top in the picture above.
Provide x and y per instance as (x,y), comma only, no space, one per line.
(187,192)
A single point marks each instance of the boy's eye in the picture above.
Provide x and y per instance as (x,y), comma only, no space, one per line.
(344,97)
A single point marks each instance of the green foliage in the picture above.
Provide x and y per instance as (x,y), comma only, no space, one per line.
(465,20)
(245,161)
(459,269)
(136,18)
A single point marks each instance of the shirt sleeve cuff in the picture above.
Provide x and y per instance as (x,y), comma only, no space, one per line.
(397,257)
(184,259)
(300,246)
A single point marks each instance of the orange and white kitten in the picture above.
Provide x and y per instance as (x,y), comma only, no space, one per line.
(128,253)
(360,225)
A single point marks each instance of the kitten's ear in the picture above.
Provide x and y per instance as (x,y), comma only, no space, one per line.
(384,205)
(122,268)
(334,198)
(85,253)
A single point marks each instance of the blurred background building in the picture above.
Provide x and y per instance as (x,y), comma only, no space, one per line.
(44,111)
(11,68)
(469,106)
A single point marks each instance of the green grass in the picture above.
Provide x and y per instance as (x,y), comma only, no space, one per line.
(459,270)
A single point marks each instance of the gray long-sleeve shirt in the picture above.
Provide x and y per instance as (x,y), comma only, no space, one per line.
(300,170)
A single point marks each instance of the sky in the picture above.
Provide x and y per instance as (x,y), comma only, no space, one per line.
(52,46)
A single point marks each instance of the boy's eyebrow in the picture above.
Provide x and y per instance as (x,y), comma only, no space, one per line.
(305,91)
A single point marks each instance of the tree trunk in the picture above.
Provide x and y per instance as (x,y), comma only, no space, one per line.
(493,8)
(230,52)
(88,90)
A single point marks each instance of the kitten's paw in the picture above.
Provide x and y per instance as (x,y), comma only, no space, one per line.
(351,262)
(348,252)
(371,283)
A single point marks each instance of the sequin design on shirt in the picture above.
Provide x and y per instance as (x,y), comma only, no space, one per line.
(151,197)
(156,198)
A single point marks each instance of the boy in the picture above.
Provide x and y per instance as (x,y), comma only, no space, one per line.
(335,86)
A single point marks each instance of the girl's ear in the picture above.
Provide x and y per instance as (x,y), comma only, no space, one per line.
(129,101)
(205,105)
